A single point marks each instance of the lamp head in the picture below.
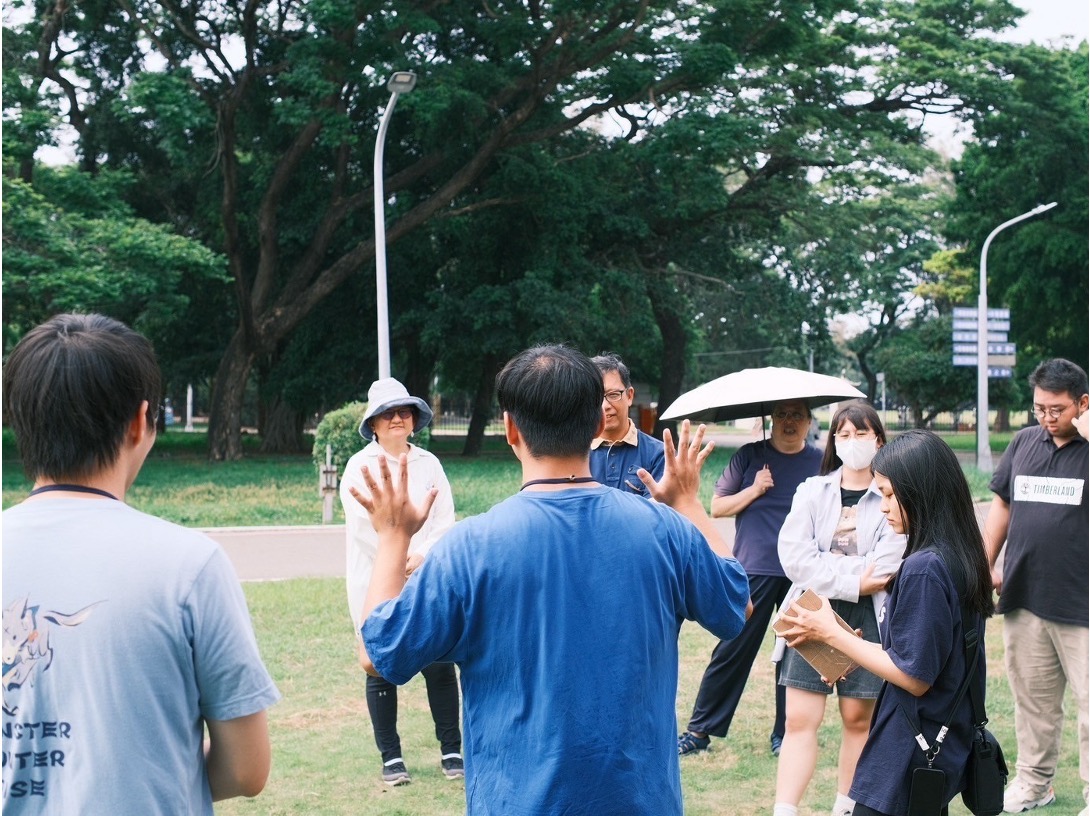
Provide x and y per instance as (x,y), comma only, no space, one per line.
(401,82)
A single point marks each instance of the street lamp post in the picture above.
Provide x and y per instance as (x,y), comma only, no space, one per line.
(983,447)
(400,82)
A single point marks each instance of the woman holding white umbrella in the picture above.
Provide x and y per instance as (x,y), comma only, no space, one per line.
(756,488)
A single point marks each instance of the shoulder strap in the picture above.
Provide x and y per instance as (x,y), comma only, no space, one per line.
(980,717)
(972,654)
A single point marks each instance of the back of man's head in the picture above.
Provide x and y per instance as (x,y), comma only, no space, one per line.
(71,387)
(553,394)
(1059,376)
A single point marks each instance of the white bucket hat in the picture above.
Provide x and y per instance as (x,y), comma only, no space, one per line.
(389,393)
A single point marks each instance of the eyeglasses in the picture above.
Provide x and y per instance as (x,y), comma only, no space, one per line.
(1039,411)
(615,396)
(404,412)
(794,416)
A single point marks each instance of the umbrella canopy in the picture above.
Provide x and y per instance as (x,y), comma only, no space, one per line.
(753,391)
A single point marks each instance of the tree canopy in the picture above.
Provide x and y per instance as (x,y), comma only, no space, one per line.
(649,176)
(1031,148)
(71,243)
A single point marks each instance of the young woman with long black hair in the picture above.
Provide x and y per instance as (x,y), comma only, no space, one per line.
(921,656)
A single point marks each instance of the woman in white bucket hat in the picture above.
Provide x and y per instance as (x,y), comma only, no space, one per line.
(391,419)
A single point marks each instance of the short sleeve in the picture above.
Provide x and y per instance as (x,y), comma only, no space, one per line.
(716,588)
(731,481)
(421,626)
(920,644)
(231,679)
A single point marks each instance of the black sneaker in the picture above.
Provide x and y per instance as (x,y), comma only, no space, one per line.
(453,767)
(777,742)
(395,773)
(690,743)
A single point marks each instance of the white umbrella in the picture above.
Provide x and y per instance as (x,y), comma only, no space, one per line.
(753,391)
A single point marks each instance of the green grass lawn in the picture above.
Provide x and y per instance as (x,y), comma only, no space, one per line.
(178,482)
(325,760)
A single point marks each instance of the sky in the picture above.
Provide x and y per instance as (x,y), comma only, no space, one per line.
(1046,20)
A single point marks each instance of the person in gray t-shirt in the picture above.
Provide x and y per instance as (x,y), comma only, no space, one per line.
(125,636)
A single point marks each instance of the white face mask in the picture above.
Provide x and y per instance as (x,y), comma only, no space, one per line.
(857,454)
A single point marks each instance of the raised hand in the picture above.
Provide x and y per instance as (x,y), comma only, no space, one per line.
(389,506)
(683,463)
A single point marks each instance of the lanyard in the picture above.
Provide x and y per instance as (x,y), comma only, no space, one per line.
(72,488)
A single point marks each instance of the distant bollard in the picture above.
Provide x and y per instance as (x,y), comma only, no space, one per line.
(327,485)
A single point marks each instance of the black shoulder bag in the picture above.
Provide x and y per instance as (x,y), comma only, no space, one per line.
(986,770)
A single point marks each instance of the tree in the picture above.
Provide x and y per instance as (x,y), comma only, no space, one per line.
(916,360)
(277,97)
(256,132)
(1031,148)
(82,249)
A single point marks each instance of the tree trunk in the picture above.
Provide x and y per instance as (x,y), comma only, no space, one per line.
(482,406)
(917,414)
(283,429)
(418,371)
(868,375)
(1003,419)
(225,410)
(672,374)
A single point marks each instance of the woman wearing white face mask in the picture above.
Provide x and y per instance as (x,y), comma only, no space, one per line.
(837,542)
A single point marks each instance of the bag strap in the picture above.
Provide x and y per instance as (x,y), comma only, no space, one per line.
(972,655)
(980,716)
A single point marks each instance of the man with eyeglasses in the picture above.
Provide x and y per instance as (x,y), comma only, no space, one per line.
(756,488)
(621,449)
(1040,513)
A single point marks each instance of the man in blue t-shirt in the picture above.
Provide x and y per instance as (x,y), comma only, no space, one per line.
(757,488)
(621,449)
(561,606)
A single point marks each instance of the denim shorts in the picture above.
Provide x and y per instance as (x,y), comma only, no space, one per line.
(861,684)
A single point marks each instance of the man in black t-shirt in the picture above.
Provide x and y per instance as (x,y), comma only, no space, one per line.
(1040,513)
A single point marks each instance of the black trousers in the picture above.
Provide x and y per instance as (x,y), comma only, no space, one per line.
(863,810)
(442,683)
(731,662)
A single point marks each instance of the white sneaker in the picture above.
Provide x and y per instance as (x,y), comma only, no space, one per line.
(1018,797)
(843,806)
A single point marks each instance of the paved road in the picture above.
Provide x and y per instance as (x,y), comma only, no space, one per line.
(279,553)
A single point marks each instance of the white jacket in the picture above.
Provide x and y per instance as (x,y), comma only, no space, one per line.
(807,535)
(361,540)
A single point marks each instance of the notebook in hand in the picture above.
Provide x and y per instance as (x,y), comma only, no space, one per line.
(827,661)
